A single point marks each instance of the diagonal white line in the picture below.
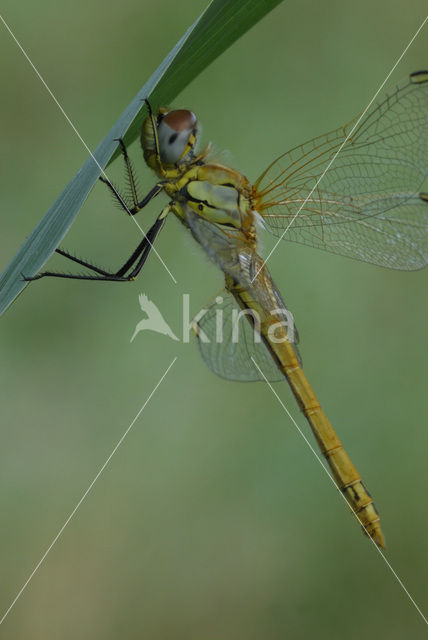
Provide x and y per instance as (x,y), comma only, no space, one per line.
(60,532)
(400,582)
(341,147)
(36,71)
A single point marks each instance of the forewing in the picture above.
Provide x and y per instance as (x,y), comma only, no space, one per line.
(367,204)
(223,245)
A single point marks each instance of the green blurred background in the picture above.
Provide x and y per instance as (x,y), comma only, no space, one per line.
(213,520)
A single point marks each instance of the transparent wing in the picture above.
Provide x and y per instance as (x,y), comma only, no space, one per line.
(223,245)
(225,332)
(231,343)
(367,205)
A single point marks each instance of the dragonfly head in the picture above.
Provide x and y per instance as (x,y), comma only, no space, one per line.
(176,133)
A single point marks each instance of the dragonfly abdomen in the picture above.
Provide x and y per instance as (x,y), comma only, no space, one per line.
(345,474)
(261,295)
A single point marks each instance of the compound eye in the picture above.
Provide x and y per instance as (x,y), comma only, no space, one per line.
(174,131)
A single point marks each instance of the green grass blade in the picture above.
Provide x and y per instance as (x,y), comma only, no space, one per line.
(223,22)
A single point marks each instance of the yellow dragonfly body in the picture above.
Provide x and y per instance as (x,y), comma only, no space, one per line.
(222,210)
(366,204)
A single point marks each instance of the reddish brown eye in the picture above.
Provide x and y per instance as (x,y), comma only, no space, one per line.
(180,119)
(176,135)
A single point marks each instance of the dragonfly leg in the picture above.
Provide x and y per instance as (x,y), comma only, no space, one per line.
(137,204)
(155,134)
(154,230)
(132,182)
(140,254)
(129,173)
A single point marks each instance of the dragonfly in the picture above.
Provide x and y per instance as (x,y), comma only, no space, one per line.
(355,191)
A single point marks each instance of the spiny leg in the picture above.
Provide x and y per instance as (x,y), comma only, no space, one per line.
(130,172)
(131,179)
(154,231)
(117,195)
(104,275)
(141,254)
(89,265)
(137,205)
(140,205)
(155,134)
